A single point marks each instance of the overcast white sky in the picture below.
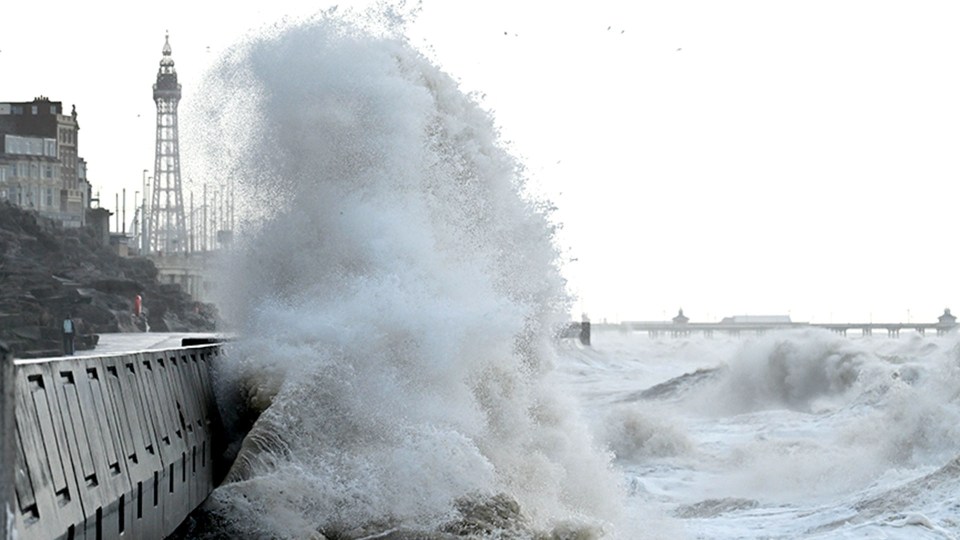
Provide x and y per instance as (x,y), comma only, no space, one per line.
(727,157)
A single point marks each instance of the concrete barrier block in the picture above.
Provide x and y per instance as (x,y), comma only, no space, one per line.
(195,378)
(157,440)
(199,375)
(174,450)
(138,445)
(94,442)
(48,498)
(186,405)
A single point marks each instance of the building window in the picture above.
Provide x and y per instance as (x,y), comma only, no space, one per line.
(53,109)
(33,110)
(49,197)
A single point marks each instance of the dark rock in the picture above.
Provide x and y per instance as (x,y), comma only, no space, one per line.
(484,516)
(49,273)
(123,287)
(31,333)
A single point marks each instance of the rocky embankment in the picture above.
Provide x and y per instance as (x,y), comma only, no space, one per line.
(48,272)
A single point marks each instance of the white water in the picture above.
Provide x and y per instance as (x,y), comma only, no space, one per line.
(794,435)
(397,297)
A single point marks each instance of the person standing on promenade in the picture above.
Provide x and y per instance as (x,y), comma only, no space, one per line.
(69,331)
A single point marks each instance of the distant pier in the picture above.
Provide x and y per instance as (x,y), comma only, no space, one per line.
(758,325)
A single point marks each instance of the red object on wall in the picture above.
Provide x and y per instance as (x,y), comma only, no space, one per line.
(137,304)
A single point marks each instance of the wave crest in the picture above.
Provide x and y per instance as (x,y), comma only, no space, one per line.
(396,299)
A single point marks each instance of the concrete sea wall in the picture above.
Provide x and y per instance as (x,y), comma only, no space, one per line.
(6,444)
(111,446)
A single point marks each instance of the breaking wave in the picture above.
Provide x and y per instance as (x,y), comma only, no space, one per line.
(396,294)
(798,371)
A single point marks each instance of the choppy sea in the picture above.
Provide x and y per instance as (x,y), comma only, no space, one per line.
(800,434)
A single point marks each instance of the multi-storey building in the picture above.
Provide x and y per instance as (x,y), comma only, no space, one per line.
(39,165)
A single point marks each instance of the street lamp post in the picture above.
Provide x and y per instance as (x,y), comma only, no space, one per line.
(144,242)
(135,226)
(145,217)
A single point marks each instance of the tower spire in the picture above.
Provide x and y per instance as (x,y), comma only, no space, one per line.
(167,227)
(167,50)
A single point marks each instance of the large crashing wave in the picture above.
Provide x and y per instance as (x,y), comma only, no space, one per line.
(396,298)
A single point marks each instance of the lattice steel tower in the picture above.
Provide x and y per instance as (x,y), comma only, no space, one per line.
(167,228)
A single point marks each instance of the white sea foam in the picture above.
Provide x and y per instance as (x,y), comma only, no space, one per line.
(790,435)
(634,432)
(396,298)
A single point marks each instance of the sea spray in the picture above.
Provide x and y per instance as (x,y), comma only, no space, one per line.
(396,299)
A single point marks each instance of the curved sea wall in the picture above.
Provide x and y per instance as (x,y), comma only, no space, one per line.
(111,446)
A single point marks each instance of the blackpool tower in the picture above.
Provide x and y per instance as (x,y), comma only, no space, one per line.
(167,232)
